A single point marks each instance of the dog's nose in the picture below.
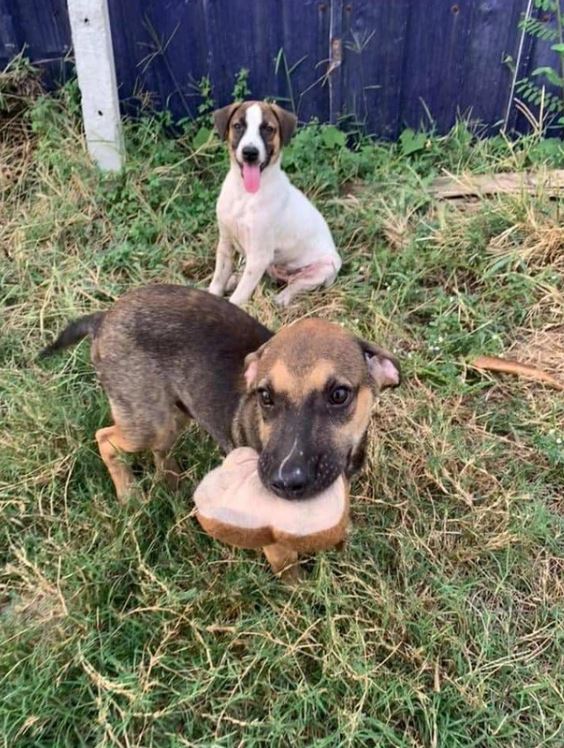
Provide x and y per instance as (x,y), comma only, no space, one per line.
(250,154)
(292,481)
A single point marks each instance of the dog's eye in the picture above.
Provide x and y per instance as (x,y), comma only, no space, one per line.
(340,395)
(267,128)
(237,126)
(265,397)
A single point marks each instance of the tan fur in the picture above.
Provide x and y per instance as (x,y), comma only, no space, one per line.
(265,431)
(355,428)
(111,442)
(309,343)
(318,376)
(279,377)
(296,388)
(283,562)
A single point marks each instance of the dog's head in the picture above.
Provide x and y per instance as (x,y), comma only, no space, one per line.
(315,385)
(255,133)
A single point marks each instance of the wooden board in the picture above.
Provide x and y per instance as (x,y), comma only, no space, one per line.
(477,185)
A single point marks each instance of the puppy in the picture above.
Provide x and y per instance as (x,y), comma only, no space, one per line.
(301,398)
(261,215)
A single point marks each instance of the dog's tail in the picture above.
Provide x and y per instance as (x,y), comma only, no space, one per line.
(74,332)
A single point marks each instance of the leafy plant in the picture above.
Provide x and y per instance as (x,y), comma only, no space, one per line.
(241,88)
(204,87)
(412,142)
(533,89)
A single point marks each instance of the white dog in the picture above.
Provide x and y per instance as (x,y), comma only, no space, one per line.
(262,215)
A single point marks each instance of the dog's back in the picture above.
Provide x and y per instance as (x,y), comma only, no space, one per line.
(166,348)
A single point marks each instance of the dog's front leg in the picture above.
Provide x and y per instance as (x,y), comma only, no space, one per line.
(223,265)
(255,268)
(283,562)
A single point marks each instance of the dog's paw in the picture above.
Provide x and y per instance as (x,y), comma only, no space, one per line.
(237,300)
(233,282)
(283,299)
(292,576)
(215,289)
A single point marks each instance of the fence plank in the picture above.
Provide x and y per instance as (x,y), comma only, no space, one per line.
(375,33)
(40,27)
(493,37)
(405,62)
(437,41)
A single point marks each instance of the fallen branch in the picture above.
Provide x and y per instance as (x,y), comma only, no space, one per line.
(505,366)
(468,185)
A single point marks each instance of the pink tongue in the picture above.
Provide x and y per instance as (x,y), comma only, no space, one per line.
(251,177)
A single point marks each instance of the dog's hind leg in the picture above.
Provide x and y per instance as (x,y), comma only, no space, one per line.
(233,282)
(306,279)
(112,441)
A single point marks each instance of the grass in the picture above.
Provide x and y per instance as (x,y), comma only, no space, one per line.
(441,624)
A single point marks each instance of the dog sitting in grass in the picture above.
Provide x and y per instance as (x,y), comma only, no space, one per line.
(264,217)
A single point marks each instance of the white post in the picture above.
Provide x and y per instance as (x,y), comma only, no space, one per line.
(94,58)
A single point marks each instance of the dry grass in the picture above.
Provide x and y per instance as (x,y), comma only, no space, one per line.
(441,622)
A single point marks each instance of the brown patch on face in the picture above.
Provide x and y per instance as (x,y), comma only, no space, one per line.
(276,128)
(281,379)
(318,377)
(237,127)
(353,430)
(222,118)
(287,121)
(265,430)
(310,350)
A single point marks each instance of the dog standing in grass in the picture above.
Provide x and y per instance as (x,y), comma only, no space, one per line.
(302,397)
(263,216)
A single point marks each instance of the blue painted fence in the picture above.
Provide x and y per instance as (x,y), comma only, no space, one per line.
(386,64)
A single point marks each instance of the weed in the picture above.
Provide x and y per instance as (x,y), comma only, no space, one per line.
(533,89)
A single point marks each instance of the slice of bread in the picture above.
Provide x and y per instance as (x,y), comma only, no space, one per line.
(234,507)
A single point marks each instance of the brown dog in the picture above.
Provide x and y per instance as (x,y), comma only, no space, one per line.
(301,398)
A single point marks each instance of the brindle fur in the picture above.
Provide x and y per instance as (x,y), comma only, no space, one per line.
(164,354)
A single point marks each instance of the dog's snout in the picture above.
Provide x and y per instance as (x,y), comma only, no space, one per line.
(290,482)
(250,154)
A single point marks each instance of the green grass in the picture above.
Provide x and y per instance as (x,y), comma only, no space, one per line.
(441,624)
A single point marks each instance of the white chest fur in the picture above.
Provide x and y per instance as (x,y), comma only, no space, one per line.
(275,226)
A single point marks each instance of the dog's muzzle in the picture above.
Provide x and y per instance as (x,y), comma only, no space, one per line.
(251,168)
(250,154)
(296,479)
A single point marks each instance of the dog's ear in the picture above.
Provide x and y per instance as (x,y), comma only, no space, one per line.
(251,366)
(382,366)
(222,117)
(287,121)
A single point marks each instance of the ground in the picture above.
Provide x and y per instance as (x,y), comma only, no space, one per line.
(441,623)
